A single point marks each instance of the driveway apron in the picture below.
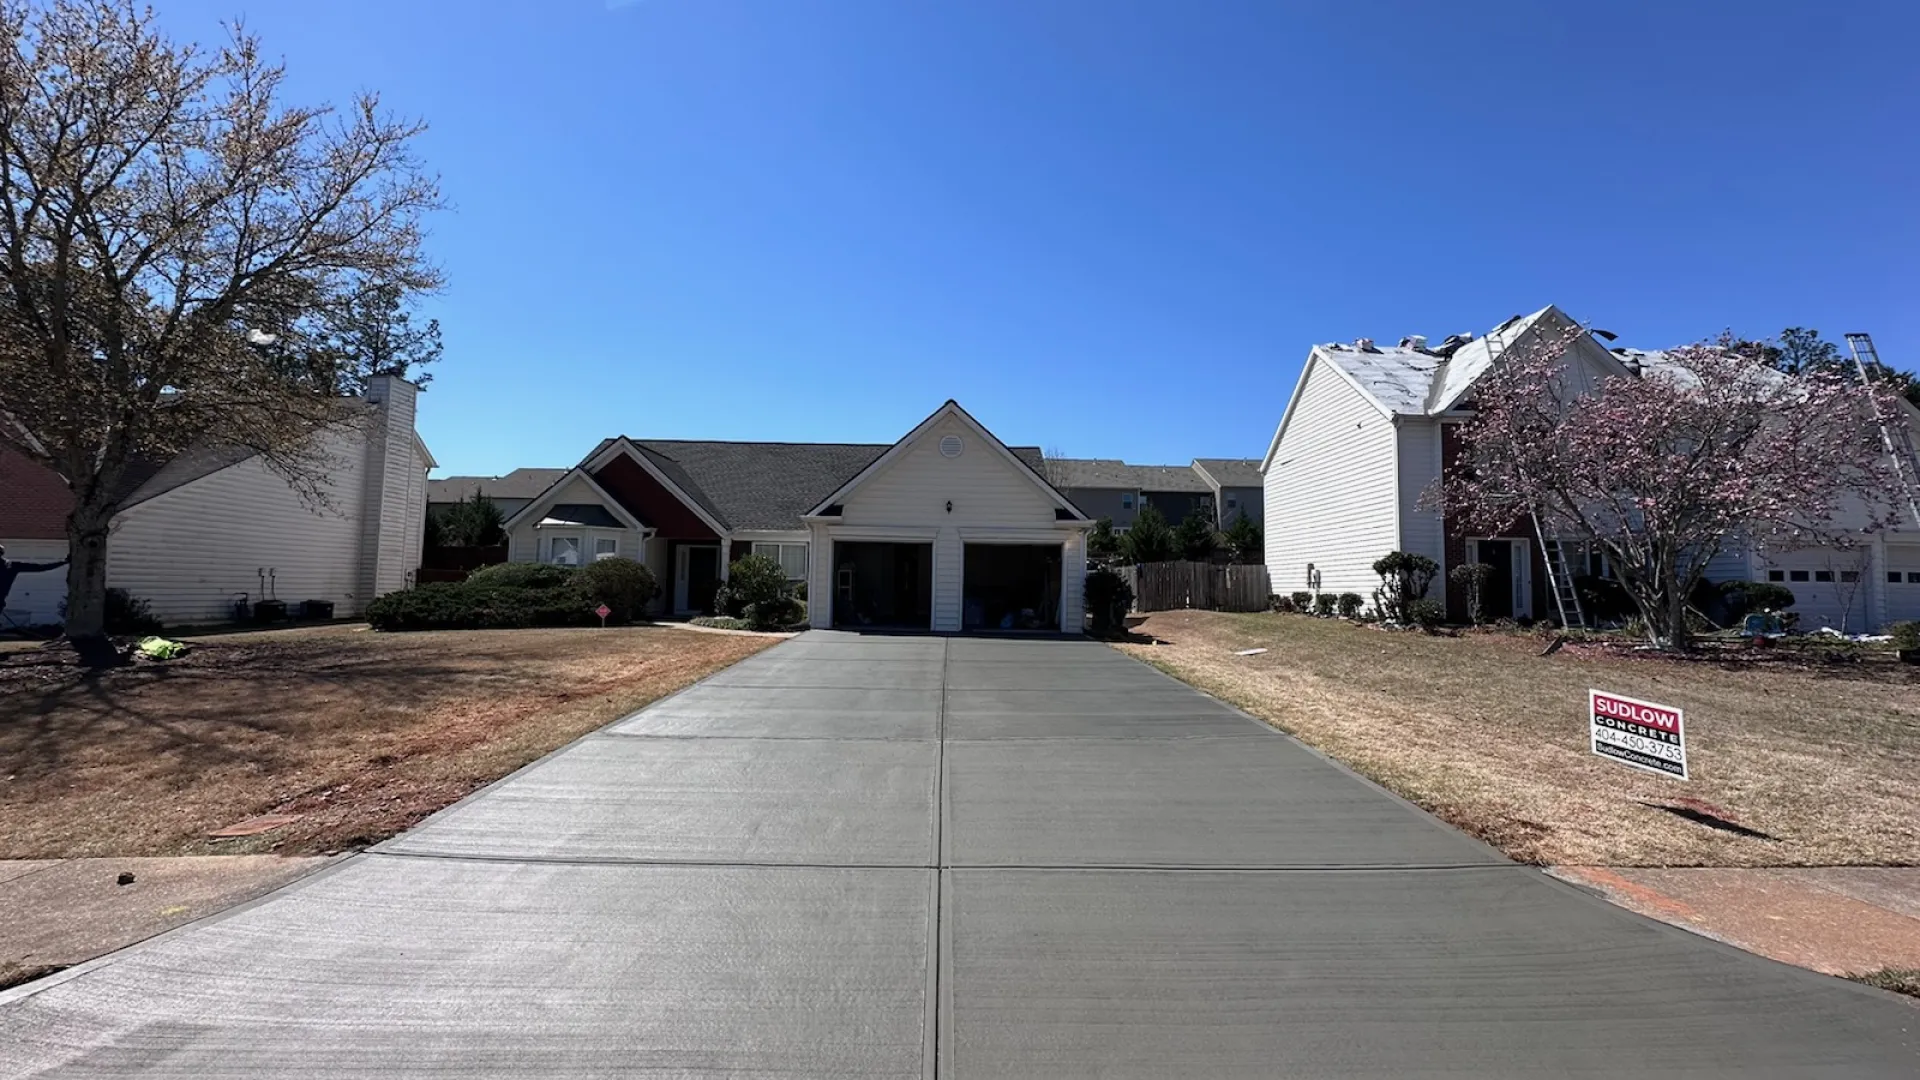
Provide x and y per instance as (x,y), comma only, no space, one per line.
(909,856)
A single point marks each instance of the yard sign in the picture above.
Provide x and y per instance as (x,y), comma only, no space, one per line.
(1638,733)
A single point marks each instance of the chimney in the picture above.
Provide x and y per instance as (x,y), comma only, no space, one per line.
(1364,344)
(393,490)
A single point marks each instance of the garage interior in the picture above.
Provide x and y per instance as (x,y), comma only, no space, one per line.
(882,586)
(1011,587)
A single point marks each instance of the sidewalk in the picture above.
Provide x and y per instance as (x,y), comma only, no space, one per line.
(1839,920)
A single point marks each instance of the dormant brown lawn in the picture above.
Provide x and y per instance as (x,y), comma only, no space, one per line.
(1822,759)
(357,735)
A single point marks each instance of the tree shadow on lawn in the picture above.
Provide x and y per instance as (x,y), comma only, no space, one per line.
(215,706)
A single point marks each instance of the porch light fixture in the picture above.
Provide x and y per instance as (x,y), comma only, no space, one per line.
(949,506)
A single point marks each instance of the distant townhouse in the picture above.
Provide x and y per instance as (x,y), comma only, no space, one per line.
(1221,488)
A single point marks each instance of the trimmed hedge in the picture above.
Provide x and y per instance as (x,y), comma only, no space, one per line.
(514,595)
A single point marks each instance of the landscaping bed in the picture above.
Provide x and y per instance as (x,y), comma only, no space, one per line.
(353,735)
(1803,755)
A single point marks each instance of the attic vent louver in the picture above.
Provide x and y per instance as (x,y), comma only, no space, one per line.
(951,446)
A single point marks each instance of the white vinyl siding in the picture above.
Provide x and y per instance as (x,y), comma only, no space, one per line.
(1422,530)
(992,499)
(191,552)
(394,491)
(1332,489)
(528,541)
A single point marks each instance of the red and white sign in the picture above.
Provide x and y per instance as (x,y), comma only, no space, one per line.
(1638,733)
(603,611)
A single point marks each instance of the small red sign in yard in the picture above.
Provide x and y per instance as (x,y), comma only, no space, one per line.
(603,611)
(1638,733)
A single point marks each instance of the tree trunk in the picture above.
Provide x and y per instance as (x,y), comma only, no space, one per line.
(87,585)
(1679,637)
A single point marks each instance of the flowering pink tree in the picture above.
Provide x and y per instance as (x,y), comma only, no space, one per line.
(1663,470)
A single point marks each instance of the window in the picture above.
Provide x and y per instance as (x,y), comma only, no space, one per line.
(1913,577)
(1893,577)
(791,557)
(1126,500)
(605,547)
(1776,575)
(1796,575)
(1823,575)
(564,551)
(1849,576)
(1233,502)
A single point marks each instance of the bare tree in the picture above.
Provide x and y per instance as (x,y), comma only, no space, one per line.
(173,239)
(1050,466)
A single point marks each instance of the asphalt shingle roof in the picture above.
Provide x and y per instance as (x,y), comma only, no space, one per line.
(1231,472)
(1412,382)
(518,484)
(1114,473)
(766,485)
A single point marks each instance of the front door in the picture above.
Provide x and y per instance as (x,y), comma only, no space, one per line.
(696,577)
(1497,554)
(1510,583)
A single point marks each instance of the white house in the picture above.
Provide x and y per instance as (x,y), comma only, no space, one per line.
(947,529)
(1366,434)
(209,528)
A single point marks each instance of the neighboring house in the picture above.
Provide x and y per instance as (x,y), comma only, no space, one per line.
(1369,429)
(509,493)
(207,528)
(1221,488)
(947,529)
(1238,488)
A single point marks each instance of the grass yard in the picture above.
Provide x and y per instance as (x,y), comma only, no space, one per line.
(1794,764)
(356,735)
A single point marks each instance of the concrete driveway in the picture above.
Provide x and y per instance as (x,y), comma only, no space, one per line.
(1133,881)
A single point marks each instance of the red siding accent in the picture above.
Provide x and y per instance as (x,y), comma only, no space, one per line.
(650,501)
(34,501)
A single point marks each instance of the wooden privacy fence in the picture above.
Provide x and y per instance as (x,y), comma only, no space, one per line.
(1168,586)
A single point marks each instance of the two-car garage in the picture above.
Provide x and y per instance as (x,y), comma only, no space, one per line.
(884,585)
(948,531)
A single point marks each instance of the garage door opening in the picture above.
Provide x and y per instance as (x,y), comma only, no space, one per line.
(1011,587)
(881,586)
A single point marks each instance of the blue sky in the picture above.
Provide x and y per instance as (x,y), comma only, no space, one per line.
(1109,227)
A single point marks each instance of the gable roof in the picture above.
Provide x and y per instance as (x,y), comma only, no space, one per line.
(753,486)
(1028,466)
(546,500)
(1229,472)
(1408,381)
(518,484)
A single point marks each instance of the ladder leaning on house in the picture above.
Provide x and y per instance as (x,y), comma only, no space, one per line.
(1897,436)
(1566,596)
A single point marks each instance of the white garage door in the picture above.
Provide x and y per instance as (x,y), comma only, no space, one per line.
(1827,586)
(1903,582)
